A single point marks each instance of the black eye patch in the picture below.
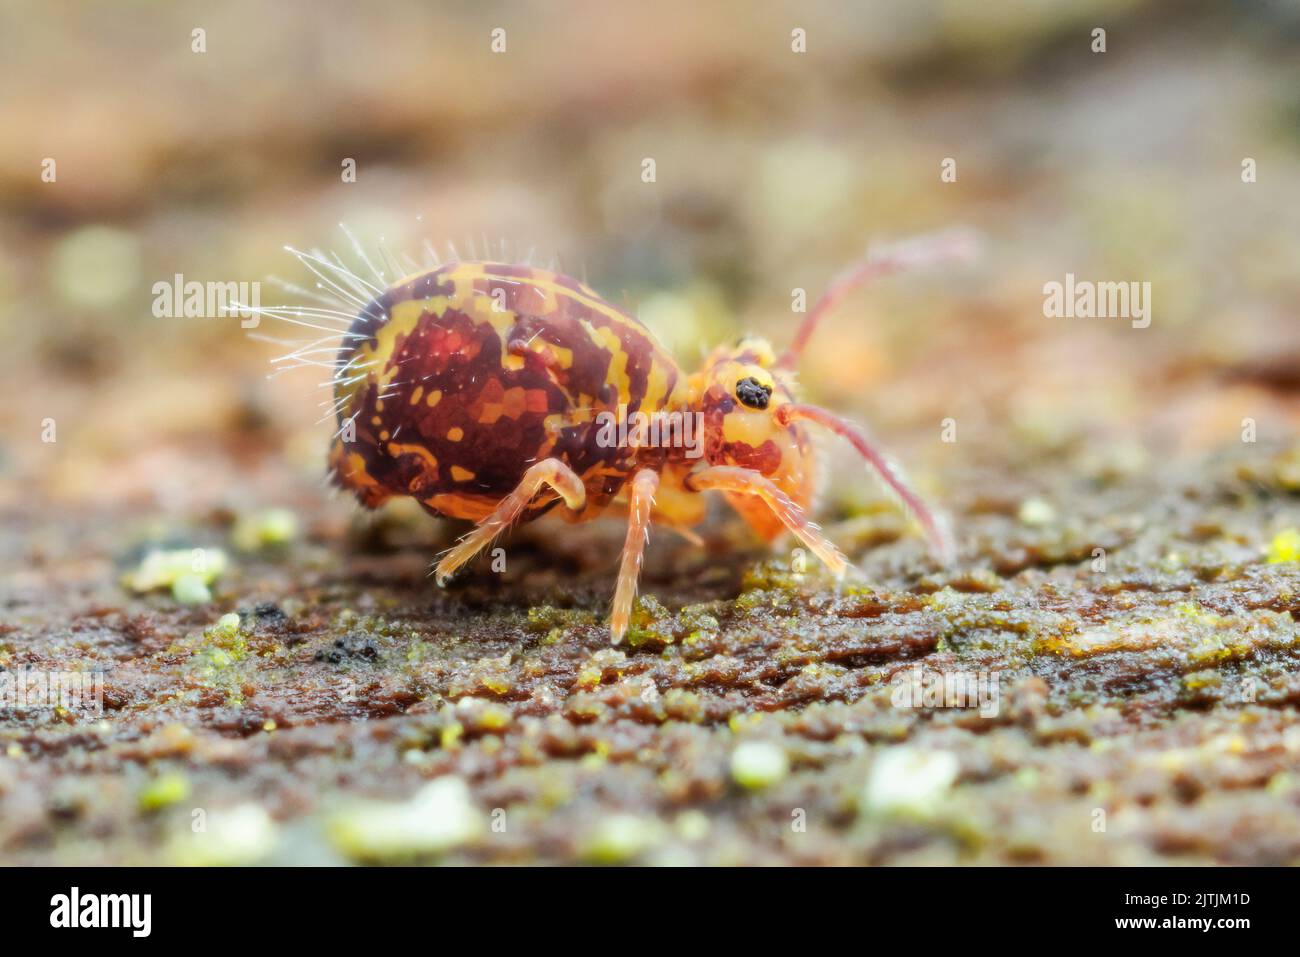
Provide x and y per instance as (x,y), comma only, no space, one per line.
(753,393)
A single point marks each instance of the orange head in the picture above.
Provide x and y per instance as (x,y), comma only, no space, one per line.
(753,420)
(741,394)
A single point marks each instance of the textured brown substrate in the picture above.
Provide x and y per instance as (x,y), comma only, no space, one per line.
(1146,708)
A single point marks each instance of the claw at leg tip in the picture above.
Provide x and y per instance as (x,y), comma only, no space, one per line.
(617,629)
(838,566)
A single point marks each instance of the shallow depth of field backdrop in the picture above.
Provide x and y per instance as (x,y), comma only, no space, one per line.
(1170,158)
(774,169)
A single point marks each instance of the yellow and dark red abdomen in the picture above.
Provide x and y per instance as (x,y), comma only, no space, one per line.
(455,381)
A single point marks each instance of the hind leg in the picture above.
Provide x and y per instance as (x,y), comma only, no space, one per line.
(550,472)
(642,500)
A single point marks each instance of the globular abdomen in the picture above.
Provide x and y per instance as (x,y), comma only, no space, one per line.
(454,381)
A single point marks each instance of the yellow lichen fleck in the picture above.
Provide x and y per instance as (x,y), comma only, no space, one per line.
(1285,547)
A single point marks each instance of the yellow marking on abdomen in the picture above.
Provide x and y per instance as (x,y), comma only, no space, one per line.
(607,338)
(591,301)
(459,505)
(399,448)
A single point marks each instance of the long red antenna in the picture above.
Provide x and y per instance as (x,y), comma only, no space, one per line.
(933,523)
(957,245)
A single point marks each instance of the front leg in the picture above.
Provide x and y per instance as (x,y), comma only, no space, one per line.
(731,478)
(550,472)
(642,499)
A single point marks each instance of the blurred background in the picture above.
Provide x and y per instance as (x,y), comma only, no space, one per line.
(774,169)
